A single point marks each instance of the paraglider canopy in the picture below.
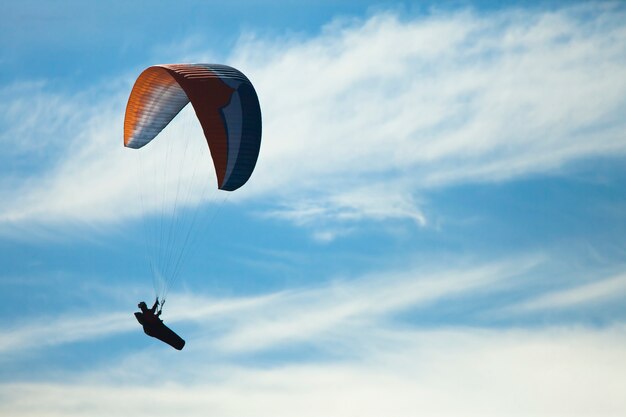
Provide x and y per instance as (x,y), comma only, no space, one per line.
(224,101)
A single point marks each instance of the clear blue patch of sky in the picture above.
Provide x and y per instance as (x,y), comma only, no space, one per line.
(578,204)
(74,42)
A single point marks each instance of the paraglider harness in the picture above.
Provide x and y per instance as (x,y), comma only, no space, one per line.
(153,325)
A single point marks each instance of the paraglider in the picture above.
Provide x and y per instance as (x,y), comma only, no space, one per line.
(227,108)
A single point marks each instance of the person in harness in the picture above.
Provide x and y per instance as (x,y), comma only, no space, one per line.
(151,315)
(153,325)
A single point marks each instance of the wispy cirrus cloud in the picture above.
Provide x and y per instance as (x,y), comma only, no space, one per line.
(592,293)
(62,330)
(451,98)
(325,315)
(274,320)
(369,111)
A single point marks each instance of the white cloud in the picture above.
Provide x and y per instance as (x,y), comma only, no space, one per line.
(50,332)
(362,119)
(374,201)
(595,292)
(439,100)
(456,372)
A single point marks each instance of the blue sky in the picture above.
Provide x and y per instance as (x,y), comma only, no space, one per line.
(436,224)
